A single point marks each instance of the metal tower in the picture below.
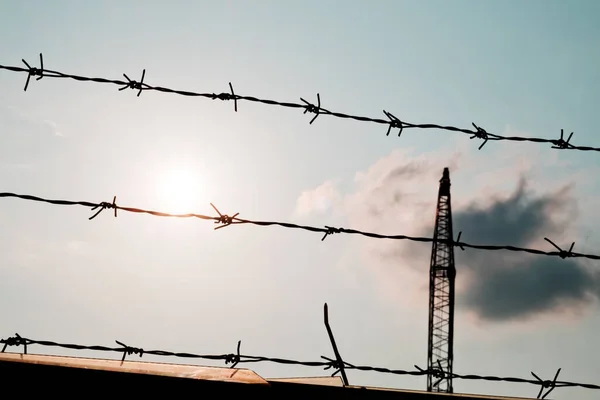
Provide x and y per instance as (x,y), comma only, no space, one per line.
(441,294)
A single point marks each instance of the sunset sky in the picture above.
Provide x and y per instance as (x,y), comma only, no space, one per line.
(512,67)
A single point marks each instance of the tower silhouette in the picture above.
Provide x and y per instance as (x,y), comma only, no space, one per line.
(442,274)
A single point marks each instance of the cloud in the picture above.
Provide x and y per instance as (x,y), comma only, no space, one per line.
(398,194)
(21,123)
(397,190)
(518,286)
(54,127)
(317,200)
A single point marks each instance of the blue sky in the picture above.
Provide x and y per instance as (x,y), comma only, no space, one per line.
(525,68)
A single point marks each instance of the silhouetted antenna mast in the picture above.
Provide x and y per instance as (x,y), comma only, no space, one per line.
(442,272)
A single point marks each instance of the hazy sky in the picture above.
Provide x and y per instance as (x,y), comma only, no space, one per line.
(518,68)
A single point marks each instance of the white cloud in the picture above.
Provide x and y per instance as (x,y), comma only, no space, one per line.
(397,195)
(318,200)
(25,122)
(54,127)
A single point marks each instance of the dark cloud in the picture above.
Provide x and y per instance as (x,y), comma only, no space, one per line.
(402,171)
(519,289)
(398,194)
(516,220)
(503,286)
(386,192)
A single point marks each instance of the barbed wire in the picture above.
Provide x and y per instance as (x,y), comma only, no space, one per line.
(391,120)
(234,359)
(224,220)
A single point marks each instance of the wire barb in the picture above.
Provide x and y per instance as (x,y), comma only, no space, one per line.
(103,206)
(223,219)
(561,143)
(234,359)
(421,370)
(131,84)
(457,243)
(550,385)
(394,123)
(311,108)
(330,230)
(227,96)
(32,71)
(480,134)
(128,350)
(438,373)
(562,253)
(338,364)
(16,341)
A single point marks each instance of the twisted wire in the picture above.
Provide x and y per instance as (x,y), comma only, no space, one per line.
(233,359)
(391,120)
(224,220)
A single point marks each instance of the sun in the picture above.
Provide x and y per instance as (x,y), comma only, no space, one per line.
(180,191)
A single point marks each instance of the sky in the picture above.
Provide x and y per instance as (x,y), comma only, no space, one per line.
(514,68)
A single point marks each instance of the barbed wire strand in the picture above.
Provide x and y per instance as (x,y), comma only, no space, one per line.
(338,363)
(224,220)
(392,121)
(237,358)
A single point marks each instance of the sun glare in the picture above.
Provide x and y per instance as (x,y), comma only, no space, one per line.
(180,191)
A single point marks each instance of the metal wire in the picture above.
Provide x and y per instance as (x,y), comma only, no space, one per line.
(391,120)
(236,358)
(224,220)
